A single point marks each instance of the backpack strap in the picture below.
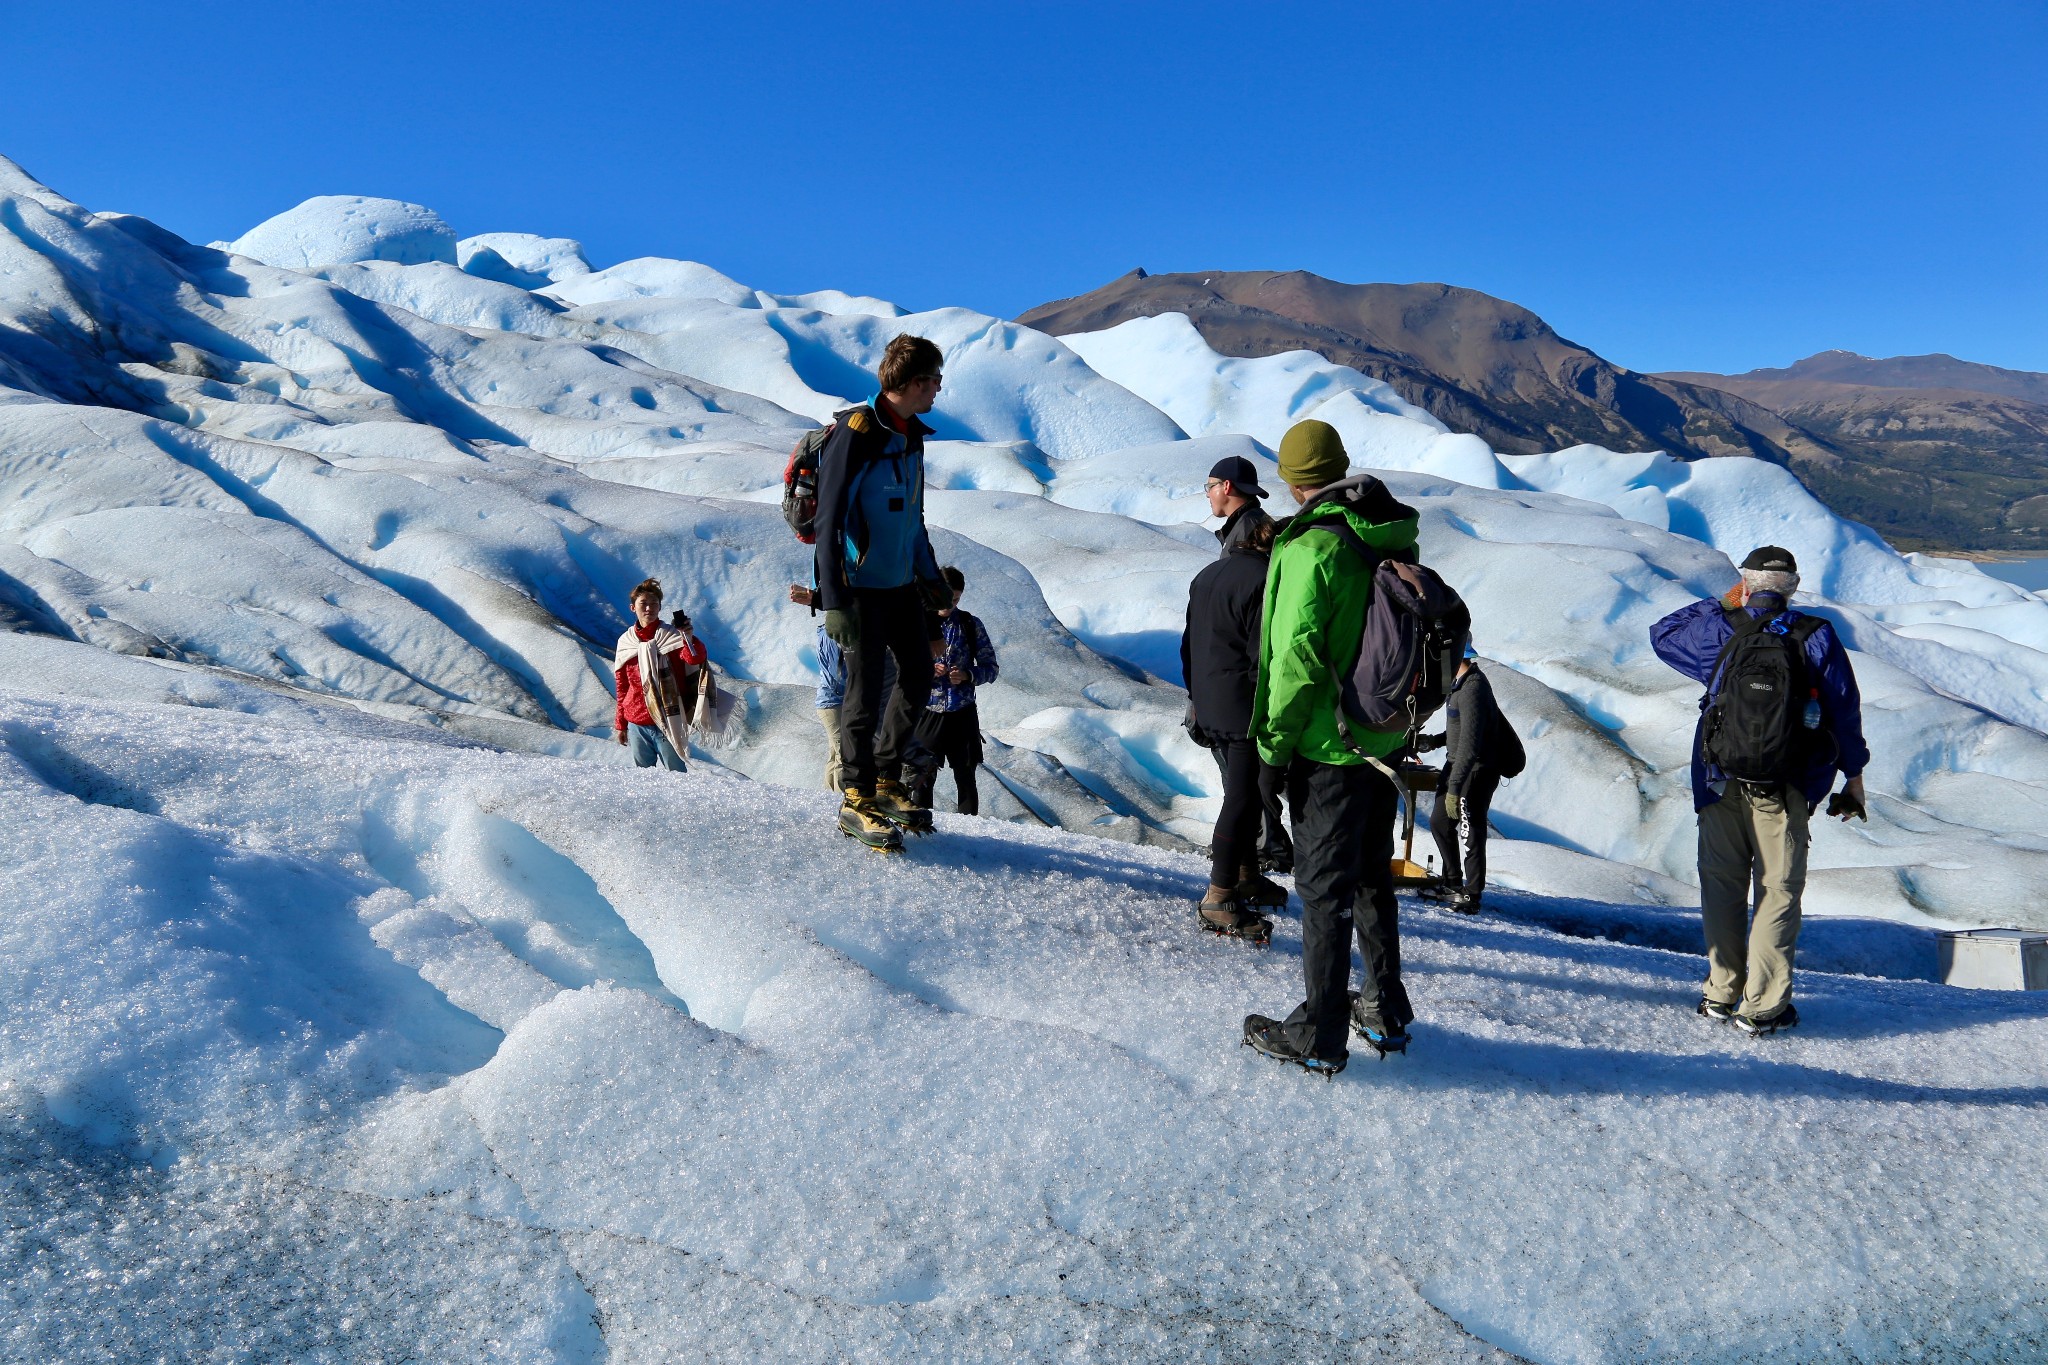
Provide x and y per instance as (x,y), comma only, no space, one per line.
(1349,539)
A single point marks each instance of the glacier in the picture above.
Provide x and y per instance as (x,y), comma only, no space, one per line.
(363,1004)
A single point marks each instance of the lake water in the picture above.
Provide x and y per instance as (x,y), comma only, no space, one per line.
(2031,574)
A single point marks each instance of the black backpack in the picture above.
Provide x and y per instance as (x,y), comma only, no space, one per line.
(1754,725)
(1504,747)
(1415,627)
(800,484)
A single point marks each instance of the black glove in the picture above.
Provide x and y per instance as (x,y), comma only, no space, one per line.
(1424,743)
(842,628)
(1844,805)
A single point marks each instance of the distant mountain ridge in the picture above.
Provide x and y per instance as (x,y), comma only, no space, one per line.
(1936,371)
(1934,452)
(1478,363)
(1953,454)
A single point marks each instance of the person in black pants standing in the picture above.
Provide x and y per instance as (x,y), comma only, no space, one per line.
(1472,736)
(1219,657)
(950,730)
(879,583)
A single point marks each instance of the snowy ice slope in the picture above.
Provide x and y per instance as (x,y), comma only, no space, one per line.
(392,1049)
(361,480)
(425,488)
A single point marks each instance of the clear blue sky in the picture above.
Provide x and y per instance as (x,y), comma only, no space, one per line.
(1676,185)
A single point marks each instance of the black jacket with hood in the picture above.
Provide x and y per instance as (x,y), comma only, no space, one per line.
(1472,724)
(1237,531)
(1219,650)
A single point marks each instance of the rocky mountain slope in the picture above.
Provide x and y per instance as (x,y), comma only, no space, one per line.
(1478,363)
(1935,452)
(1944,452)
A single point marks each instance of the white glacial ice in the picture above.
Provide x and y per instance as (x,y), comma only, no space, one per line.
(360,1003)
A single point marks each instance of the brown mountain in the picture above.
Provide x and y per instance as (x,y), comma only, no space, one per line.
(1908,372)
(1934,452)
(1479,363)
(1944,453)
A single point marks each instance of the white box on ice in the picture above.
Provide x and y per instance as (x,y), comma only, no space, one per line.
(1995,959)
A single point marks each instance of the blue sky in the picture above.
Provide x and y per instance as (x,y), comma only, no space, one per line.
(1676,185)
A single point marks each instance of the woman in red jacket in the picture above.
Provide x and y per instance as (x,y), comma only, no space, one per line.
(657,669)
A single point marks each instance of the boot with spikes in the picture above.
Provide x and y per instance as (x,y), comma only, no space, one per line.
(1256,889)
(1220,914)
(895,804)
(860,819)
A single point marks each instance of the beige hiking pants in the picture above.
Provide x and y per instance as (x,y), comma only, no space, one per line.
(1752,839)
(835,750)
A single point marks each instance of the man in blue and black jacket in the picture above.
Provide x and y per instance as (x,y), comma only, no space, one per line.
(878,582)
(1756,830)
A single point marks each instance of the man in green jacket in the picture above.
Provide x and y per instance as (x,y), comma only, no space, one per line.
(1316,595)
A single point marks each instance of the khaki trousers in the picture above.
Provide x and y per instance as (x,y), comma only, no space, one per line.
(835,751)
(1752,839)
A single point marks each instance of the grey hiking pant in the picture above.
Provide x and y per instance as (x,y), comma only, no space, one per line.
(1752,838)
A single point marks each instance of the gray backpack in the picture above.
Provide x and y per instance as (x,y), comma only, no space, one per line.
(1415,629)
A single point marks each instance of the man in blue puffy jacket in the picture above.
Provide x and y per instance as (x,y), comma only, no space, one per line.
(1753,828)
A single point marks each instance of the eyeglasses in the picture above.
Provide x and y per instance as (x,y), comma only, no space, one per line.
(932,379)
(1214,484)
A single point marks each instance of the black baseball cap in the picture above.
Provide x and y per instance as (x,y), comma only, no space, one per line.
(1238,470)
(1773,558)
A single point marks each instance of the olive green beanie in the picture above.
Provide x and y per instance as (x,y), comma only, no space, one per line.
(1312,455)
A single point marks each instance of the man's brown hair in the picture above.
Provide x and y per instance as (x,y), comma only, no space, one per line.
(908,358)
(647,587)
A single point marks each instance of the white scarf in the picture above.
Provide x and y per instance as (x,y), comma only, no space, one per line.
(659,685)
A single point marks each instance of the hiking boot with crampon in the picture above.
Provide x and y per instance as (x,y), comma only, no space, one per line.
(1259,891)
(894,803)
(1267,1038)
(1763,1028)
(858,819)
(1219,913)
(1714,1010)
(1380,1035)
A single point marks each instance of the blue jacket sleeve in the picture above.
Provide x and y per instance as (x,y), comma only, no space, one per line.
(983,670)
(1690,639)
(831,673)
(1840,699)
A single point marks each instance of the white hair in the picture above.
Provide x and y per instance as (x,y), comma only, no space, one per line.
(1783,582)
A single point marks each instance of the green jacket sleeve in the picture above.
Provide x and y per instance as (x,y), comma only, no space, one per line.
(1294,669)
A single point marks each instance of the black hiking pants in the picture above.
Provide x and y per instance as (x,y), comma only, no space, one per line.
(1274,845)
(1343,843)
(1461,843)
(1234,844)
(892,622)
(950,739)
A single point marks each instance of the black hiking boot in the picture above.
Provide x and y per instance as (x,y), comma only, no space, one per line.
(858,819)
(1464,902)
(1266,1037)
(1763,1028)
(894,803)
(1379,1035)
(1714,1010)
(1218,913)
(1258,891)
